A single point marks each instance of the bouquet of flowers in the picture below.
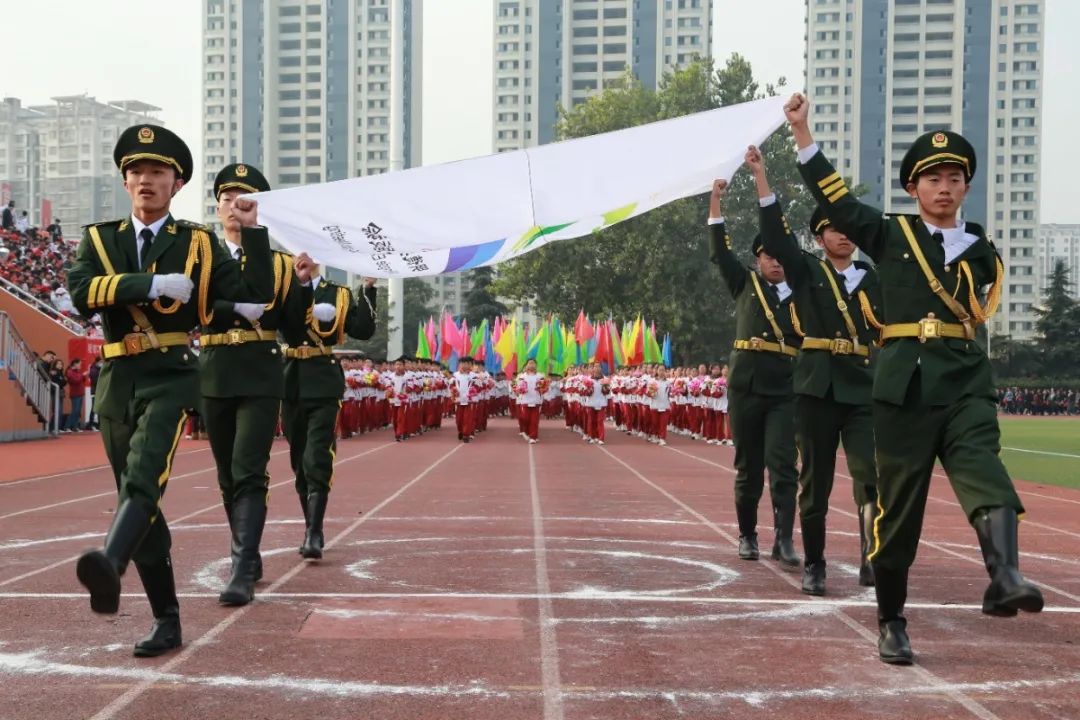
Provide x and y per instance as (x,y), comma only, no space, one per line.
(521,387)
(542,385)
(652,388)
(587,385)
(353,382)
(440,383)
(605,387)
(678,387)
(696,386)
(370,378)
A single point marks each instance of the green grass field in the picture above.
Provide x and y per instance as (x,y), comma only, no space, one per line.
(1027,444)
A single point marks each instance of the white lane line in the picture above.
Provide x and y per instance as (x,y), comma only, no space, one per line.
(972,706)
(73,558)
(111,492)
(608,597)
(79,471)
(1042,452)
(549,646)
(110,711)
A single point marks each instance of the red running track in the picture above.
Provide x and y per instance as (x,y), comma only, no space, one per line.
(502,580)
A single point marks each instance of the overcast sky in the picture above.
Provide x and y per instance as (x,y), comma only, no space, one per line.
(150,50)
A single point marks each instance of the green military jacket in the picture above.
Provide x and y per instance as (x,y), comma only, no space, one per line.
(322,377)
(109,284)
(950,368)
(850,377)
(763,373)
(252,369)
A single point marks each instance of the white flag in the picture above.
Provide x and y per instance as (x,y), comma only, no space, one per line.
(461,215)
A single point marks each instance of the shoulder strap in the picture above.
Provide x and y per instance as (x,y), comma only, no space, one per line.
(768,312)
(136,313)
(957,309)
(840,304)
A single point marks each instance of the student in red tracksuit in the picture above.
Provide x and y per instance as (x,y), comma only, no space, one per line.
(529,402)
(399,401)
(596,407)
(461,384)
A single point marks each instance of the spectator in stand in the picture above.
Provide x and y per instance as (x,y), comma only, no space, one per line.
(23,223)
(77,380)
(60,299)
(45,362)
(9,216)
(54,230)
(59,378)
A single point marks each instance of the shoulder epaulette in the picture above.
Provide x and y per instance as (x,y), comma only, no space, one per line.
(193,225)
(117,221)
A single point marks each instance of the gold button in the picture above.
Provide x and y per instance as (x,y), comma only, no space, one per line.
(273,351)
(837,333)
(305,342)
(236,323)
(765,334)
(906,256)
(866,361)
(946,268)
(332,361)
(164,350)
(185,356)
(136,329)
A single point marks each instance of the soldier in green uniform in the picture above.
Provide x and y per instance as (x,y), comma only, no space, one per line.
(152,279)
(761,400)
(242,384)
(314,387)
(833,373)
(933,395)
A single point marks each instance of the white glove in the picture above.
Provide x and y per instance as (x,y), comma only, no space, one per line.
(324,312)
(176,286)
(250,311)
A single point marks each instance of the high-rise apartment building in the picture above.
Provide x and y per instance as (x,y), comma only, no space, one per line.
(559,52)
(61,156)
(311,90)
(881,72)
(1058,243)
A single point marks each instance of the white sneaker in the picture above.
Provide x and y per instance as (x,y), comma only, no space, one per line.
(533,441)
(661,443)
(591,441)
(599,442)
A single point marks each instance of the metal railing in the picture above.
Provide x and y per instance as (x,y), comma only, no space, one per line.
(48,310)
(23,367)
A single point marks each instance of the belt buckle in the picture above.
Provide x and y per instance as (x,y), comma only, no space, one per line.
(133,343)
(930,327)
(755,343)
(235,336)
(841,346)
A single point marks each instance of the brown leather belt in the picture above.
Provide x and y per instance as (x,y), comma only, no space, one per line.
(758,345)
(237,337)
(139,342)
(839,346)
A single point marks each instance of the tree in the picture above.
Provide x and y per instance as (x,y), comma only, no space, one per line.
(657,264)
(417,295)
(1057,327)
(480,302)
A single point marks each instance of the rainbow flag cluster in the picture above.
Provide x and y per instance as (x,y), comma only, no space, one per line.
(505,346)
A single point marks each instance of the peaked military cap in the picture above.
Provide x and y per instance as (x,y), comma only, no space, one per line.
(757,246)
(937,148)
(153,142)
(239,176)
(818,221)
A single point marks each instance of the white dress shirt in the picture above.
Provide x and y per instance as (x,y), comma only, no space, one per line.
(155,227)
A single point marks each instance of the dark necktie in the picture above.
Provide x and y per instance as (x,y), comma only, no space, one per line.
(147,236)
(239,256)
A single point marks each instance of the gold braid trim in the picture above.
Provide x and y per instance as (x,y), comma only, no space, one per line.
(795,320)
(344,296)
(206,267)
(277,281)
(286,279)
(189,265)
(868,314)
(982,313)
(338,327)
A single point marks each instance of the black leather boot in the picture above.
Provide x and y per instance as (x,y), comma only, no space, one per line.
(813,537)
(867,513)
(748,545)
(783,548)
(307,521)
(1008,590)
(313,539)
(100,570)
(248,519)
(891,590)
(160,589)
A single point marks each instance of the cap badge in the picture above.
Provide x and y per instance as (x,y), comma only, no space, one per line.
(241,171)
(146,135)
(939,140)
